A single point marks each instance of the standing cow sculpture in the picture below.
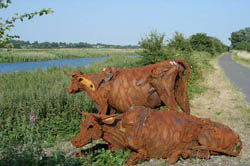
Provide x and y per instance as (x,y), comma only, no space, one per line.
(149,133)
(150,86)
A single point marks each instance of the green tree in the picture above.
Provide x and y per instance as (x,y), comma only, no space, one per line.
(240,39)
(153,48)
(179,43)
(202,42)
(8,24)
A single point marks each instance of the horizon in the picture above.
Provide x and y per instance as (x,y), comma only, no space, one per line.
(126,23)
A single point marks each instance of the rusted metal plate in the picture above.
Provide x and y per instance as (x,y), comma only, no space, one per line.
(150,86)
(153,133)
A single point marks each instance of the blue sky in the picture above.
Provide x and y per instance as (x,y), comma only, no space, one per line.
(126,22)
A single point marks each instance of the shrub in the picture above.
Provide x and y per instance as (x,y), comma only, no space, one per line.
(202,42)
(243,45)
(237,37)
(179,43)
(106,158)
(153,48)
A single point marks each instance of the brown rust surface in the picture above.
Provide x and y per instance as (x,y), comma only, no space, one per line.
(149,86)
(149,133)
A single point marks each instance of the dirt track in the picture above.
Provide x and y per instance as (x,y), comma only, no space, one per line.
(238,74)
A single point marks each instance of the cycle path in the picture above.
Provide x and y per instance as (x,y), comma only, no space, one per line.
(237,74)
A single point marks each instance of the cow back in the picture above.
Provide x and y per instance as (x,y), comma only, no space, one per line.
(131,87)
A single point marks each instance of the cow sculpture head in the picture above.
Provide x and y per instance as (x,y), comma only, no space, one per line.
(219,138)
(90,82)
(91,128)
(81,82)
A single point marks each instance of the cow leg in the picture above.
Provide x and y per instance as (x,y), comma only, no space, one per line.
(174,157)
(112,111)
(165,89)
(181,95)
(135,157)
(101,106)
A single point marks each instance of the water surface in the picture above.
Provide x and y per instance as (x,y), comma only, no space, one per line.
(31,66)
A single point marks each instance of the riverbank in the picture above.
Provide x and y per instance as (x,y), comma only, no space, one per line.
(30,55)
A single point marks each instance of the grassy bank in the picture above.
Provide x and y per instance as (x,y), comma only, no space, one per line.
(242,57)
(43,94)
(28,55)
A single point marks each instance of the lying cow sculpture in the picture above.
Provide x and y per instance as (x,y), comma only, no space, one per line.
(149,86)
(149,133)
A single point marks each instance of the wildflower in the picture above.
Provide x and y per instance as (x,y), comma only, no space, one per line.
(32,118)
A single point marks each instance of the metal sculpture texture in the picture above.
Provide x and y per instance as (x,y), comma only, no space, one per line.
(150,86)
(149,133)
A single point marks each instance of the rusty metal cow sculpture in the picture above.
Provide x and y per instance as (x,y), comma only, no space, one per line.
(149,86)
(149,133)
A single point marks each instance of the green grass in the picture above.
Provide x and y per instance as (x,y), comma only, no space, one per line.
(28,55)
(43,93)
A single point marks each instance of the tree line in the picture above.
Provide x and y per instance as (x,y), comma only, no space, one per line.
(155,47)
(47,45)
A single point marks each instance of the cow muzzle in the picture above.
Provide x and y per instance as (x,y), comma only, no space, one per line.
(79,142)
(72,91)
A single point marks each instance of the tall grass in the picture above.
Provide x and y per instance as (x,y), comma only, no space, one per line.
(44,94)
(27,55)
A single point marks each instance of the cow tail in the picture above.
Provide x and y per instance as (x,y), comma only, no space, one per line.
(185,89)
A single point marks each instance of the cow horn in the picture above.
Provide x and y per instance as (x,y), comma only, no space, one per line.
(67,73)
(79,71)
(83,113)
(98,116)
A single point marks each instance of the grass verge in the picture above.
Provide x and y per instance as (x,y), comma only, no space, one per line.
(242,58)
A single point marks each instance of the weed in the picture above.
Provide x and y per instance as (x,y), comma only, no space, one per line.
(106,158)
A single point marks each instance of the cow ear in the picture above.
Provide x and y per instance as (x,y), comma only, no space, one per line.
(108,120)
(97,116)
(79,72)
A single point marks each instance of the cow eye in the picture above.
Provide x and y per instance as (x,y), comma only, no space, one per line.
(79,79)
(91,126)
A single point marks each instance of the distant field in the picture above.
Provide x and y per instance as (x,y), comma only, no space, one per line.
(28,55)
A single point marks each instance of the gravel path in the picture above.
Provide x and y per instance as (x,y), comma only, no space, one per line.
(238,75)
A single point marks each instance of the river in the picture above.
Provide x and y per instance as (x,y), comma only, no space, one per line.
(31,66)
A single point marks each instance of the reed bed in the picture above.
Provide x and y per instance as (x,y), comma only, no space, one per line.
(28,55)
